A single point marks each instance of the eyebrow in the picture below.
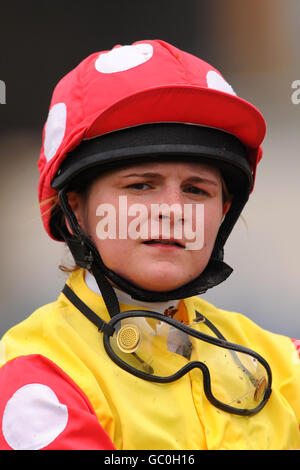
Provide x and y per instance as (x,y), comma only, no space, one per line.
(199,179)
(145,175)
(193,179)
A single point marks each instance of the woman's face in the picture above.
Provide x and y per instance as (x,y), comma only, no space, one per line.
(129,241)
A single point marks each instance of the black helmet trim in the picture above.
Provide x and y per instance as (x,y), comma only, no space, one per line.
(161,141)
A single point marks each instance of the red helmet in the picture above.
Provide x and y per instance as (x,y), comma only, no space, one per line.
(146,82)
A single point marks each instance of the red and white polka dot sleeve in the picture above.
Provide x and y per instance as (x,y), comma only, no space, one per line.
(296,343)
(42,408)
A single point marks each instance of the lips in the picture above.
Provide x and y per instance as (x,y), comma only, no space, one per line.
(170,243)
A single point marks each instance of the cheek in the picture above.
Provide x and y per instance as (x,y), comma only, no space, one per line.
(100,212)
(213,215)
(115,253)
(111,252)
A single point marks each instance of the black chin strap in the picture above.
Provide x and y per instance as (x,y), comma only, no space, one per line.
(86,255)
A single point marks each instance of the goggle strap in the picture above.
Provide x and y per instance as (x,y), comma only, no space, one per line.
(87,312)
(200,317)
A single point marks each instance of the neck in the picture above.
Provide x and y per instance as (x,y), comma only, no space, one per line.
(125,298)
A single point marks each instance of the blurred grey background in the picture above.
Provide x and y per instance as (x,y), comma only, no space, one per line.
(254,43)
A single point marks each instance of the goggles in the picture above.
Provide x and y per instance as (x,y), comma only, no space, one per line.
(161,349)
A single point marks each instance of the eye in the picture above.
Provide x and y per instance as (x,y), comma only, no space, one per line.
(195,190)
(139,186)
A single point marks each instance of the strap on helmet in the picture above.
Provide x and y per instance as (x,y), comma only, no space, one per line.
(86,255)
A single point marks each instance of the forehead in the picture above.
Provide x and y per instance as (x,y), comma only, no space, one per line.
(170,167)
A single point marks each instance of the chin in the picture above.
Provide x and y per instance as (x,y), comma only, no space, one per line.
(161,283)
(160,288)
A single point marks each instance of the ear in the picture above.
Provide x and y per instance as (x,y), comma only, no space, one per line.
(76,203)
(226,206)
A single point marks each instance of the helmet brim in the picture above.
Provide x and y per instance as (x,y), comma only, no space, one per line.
(185,104)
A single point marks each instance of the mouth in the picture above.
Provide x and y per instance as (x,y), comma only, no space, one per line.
(164,244)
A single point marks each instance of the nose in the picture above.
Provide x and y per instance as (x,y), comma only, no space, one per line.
(171,204)
(172,194)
